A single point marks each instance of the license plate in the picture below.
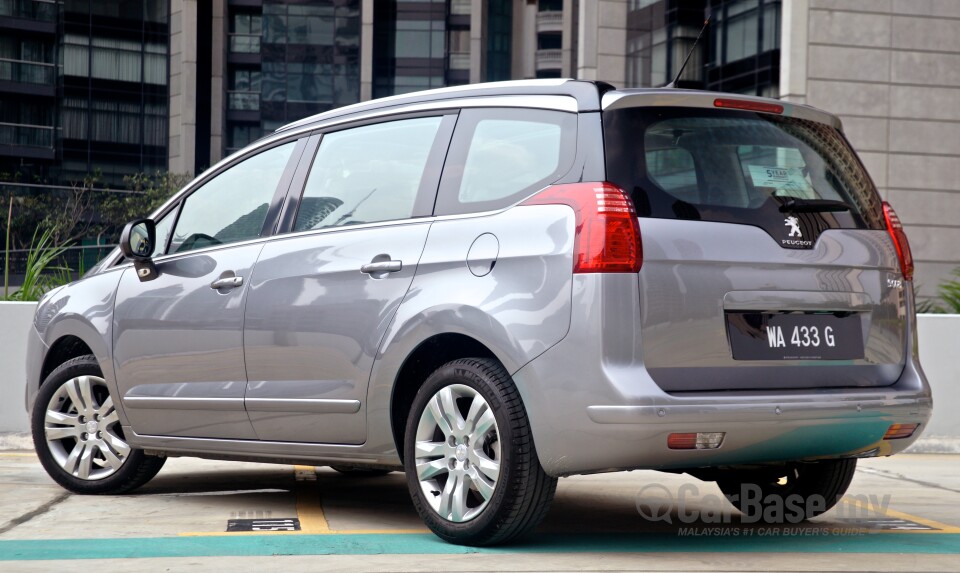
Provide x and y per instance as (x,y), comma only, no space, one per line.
(795,336)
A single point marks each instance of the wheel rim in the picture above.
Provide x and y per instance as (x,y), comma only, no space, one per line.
(82,429)
(457,453)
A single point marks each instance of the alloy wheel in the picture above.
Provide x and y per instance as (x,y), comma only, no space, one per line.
(82,429)
(457,453)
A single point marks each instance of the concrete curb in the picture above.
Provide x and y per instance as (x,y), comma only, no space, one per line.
(16,441)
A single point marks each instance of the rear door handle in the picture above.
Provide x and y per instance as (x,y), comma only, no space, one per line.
(226,282)
(382,267)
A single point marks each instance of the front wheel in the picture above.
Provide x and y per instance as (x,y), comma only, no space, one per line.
(78,437)
(790,493)
(472,468)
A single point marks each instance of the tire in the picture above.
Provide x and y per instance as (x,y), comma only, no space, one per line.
(82,447)
(788,494)
(359,472)
(481,482)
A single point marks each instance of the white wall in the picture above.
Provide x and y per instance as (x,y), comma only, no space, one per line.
(939,337)
(15,320)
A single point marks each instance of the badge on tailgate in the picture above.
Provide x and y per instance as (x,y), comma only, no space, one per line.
(795,336)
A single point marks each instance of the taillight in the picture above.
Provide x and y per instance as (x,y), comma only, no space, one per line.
(899,241)
(608,235)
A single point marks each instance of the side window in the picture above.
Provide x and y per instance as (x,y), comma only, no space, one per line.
(233,205)
(367,174)
(164,228)
(499,156)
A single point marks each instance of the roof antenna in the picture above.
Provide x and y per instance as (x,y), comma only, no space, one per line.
(673,84)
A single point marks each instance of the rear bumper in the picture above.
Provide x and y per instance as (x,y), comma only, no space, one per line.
(608,414)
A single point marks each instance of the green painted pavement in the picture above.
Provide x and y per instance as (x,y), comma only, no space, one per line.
(374,544)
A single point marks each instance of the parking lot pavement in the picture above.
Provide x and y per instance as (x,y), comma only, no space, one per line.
(901,514)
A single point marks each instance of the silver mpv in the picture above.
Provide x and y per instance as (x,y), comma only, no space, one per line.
(493,286)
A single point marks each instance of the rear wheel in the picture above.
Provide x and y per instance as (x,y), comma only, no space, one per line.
(78,437)
(790,493)
(472,468)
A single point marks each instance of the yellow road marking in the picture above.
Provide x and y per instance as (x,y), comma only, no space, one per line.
(938,526)
(309,505)
(17,455)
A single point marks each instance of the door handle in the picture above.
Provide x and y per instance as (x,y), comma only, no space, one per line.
(382,267)
(226,282)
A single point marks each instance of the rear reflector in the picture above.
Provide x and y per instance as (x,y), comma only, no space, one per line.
(898,431)
(899,241)
(607,236)
(748,105)
(697,441)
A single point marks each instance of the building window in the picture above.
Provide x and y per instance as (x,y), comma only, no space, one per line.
(744,28)
(242,135)
(310,59)
(459,49)
(409,46)
(744,47)
(244,93)
(499,38)
(245,31)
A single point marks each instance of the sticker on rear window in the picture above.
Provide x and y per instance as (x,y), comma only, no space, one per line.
(785,180)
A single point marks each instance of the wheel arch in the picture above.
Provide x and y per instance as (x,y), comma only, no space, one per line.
(63,349)
(68,338)
(429,355)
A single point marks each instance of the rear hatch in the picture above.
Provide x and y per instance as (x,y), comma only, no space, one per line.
(767,264)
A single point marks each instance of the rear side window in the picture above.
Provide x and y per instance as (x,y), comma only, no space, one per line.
(738,167)
(500,156)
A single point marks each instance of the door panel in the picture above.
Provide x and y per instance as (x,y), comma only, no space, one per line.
(314,323)
(178,346)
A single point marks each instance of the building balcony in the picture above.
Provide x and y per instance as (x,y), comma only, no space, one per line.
(245,43)
(40,10)
(459,60)
(26,72)
(243,100)
(460,7)
(549,60)
(550,21)
(27,141)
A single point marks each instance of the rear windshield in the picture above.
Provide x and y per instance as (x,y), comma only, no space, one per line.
(736,167)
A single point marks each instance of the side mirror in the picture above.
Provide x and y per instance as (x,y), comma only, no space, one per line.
(137,242)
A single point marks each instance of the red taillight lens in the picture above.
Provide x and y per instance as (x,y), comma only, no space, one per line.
(899,241)
(608,234)
(748,105)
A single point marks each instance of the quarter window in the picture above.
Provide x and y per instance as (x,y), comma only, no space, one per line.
(233,205)
(367,174)
(500,156)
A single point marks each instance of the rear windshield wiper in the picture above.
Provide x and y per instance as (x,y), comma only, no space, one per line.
(796,205)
